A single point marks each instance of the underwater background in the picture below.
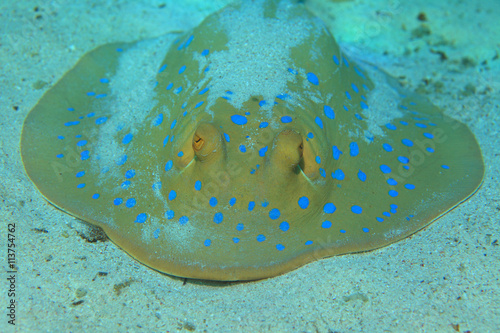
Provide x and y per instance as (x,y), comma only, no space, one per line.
(442,279)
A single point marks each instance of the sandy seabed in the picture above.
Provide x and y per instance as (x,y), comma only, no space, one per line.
(445,278)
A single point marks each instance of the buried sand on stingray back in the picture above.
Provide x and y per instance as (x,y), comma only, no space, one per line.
(250,147)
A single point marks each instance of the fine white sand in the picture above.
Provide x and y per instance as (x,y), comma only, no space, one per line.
(442,279)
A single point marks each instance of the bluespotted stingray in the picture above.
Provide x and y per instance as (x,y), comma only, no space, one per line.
(247,148)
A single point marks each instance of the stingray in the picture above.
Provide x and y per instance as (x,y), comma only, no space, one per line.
(246,148)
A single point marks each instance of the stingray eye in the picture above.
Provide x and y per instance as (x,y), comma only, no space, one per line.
(289,148)
(197,142)
(207,142)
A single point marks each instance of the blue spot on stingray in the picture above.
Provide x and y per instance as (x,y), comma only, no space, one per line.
(226,136)
(162,68)
(420,125)
(165,141)
(232,201)
(322,172)
(239,120)
(280,247)
(122,160)
(173,124)
(387,147)
(156,186)
(84,155)
(311,77)
(141,218)
(81,143)
(286,119)
(344,60)
(326,225)
(205,52)
(203,91)
(363,105)
(304,202)
(293,71)
(72,123)
(428,135)
(170,85)
(310,135)
(366,229)
(262,103)
(392,182)
(329,208)
(262,152)
(348,95)
(263,124)
(379,219)
(101,120)
(309,242)
(242,148)
(118,201)
(240,226)
(403,159)
(177,90)
(261,238)
(336,153)
(213,201)
(404,123)
(393,193)
(385,169)
(284,226)
(156,233)
(91,93)
(338,174)
(445,166)
(130,202)
(127,138)
(158,120)
(207,242)
(183,220)
(251,205)
(218,217)
(197,185)
(80,174)
(361,176)
(236,240)
(169,165)
(198,104)
(407,142)
(318,159)
(60,137)
(336,60)
(410,186)
(319,122)
(429,149)
(356,209)
(390,126)
(274,213)
(354,149)
(182,69)
(172,195)
(329,112)
(355,88)
(180,154)
(169,214)
(130,174)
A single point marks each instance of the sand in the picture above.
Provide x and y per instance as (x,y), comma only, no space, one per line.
(445,278)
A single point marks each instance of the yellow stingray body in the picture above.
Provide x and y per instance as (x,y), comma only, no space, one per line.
(253,147)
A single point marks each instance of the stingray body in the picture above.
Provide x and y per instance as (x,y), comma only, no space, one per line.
(253,147)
